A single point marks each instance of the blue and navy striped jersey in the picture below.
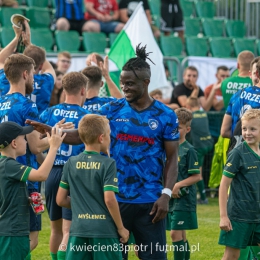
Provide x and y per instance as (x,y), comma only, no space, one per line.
(137,145)
(42,89)
(17,108)
(95,103)
(70,9)
(72,113)
(242,101)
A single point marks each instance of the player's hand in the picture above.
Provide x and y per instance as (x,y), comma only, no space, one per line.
(56,137)
(104,67)
(39,127)
(225,224)
(68,125)
(17,31)
(124,235)
(175,191)
(160,208)
(26,34)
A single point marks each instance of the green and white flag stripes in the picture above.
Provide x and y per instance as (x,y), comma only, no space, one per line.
(137,30)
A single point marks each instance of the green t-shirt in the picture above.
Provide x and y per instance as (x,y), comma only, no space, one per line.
(243,165)
(231,85)
(87,176)
(14,203)
(200,134)
(187,165)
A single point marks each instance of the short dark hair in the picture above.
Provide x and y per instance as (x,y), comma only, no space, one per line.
(94,75)
(139,63)
(38,54)
(73,82)
(193,68)
(223,67)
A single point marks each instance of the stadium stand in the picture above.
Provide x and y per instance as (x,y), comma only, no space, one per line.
(94,42)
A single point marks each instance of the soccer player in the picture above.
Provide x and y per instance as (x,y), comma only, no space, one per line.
(239,216)
(14,211)
(143,133)
(201,140)
(74,85)
(183,215)
(91,180)
(44,74)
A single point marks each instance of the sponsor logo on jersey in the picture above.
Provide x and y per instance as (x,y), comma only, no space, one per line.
(180,223)
(229,164)
(252,167)
(134,138)
(196,163)
(122,120)
(153,124)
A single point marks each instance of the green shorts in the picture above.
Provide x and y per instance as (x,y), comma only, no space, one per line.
(242,235)
(182,220)
(201,152)
(14,248)
(93,248)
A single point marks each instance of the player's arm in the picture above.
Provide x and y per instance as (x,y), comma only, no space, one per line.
(37,145)
(223,197)
(226,126)
(55,141)
(170,177)
(10,48)
(113,208)
(62,198)
(113,89)
(47,68)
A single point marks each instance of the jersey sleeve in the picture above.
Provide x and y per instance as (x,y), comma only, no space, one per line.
(171,132)
(110,178)
(192,160)
(123,4)
(231,102)
(17,171)
(232,165)
(30,111)
(44,116)
(104,110)
(64,178)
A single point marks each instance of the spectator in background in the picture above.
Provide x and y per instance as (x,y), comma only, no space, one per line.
(64,62)
(189,89)
(172,18)
(214,89)
(157,95)
(127,7)
(9,3)
(69,15)
(102,16)
(56,93)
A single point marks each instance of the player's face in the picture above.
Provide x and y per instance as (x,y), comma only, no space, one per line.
(106,140)
(190,77)
(21,145)
(221,75)
(183,130)
(132,87)
(253,75)
(63,64)
(251,131)
(29,82)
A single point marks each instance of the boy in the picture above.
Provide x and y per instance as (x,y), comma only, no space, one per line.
(96,219)
(201,140)
(14,210)
(183,216)
(157,95)
(240,216)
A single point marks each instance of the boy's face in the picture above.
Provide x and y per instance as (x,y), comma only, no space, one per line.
(183,130)
(106,140)
(251,131)
(21,145)
(157,97)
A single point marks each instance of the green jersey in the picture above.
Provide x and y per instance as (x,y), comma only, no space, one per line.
(243,165)
(200,134)
(187,165)
(14,203)
(87,176)
(231,85)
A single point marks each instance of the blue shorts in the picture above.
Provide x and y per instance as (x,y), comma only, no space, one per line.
(150,237)
(51,188)
(106,27)
(35,220)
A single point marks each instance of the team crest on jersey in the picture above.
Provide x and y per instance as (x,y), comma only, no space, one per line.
(153,124)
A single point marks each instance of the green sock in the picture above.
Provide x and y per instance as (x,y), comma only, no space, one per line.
(28,257)
(61,255)
(179,250)
(201,188)
(187,252)
(53,256)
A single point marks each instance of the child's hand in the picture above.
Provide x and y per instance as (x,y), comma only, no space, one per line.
(175,191)
(56,137)
(124,234)
(225,224)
